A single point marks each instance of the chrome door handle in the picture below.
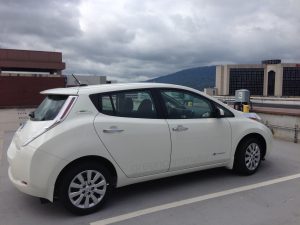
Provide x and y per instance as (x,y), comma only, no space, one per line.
(180,128)
(112,130)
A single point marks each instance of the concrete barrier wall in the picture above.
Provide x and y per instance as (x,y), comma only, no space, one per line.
(10,120)
(279,125)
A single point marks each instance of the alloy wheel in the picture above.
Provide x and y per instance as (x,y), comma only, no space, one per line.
(252,156)
(87,189)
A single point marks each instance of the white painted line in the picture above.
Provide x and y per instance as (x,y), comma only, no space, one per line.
(193,200)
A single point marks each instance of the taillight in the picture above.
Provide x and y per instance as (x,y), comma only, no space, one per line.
(67,109)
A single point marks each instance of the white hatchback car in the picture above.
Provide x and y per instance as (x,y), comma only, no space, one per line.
(83,141)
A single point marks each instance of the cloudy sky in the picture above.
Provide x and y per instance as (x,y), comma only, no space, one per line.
(133,40)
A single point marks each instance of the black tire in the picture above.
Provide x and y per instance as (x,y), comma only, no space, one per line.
(243,166)
(87,190)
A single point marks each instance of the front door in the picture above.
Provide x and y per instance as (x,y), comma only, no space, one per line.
(136,138)
(198,138)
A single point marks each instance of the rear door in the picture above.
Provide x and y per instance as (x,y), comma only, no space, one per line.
(132,131)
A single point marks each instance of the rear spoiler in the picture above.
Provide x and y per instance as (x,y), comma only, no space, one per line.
(61,91)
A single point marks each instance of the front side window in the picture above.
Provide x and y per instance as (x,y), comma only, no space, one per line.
(136,104)
(49,108)
(185,105)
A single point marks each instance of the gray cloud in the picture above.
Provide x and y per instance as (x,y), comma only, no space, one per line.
(135,40)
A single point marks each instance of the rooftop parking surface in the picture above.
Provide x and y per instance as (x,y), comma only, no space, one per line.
(275,203)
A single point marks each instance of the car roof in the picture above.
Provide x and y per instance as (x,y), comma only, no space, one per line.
(92,89)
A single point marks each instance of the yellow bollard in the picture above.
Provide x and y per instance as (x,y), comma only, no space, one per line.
(246,108)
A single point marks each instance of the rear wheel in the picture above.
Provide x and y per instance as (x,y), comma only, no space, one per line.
(84,188)
(248,157)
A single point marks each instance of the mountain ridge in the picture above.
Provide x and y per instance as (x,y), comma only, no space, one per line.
(197,77)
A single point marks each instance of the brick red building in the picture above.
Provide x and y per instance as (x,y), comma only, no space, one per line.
(24,73)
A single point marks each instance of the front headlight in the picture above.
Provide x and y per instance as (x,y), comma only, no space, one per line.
(253,116)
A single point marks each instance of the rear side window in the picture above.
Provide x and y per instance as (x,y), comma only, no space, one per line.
(49,108)
(134,104)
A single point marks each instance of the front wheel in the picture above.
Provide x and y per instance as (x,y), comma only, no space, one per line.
(248,157)
(84,188)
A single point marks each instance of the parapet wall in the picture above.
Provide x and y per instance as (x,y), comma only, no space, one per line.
(284,127)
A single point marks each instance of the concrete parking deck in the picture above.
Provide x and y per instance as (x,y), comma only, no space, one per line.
(275,203)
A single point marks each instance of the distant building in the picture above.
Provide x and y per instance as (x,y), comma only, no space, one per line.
(89,80)
(210,91)
(31,61)
(111,81)
(270,78)
(24,74)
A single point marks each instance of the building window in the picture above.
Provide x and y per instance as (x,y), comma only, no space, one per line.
(271,83)
(246,78)
(291,81)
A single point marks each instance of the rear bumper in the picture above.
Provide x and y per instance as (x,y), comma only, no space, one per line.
(20,159)
(21,186)
(30,170)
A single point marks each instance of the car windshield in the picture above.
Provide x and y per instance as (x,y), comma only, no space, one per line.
(49,108)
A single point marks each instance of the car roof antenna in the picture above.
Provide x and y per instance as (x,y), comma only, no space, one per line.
(78,82)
